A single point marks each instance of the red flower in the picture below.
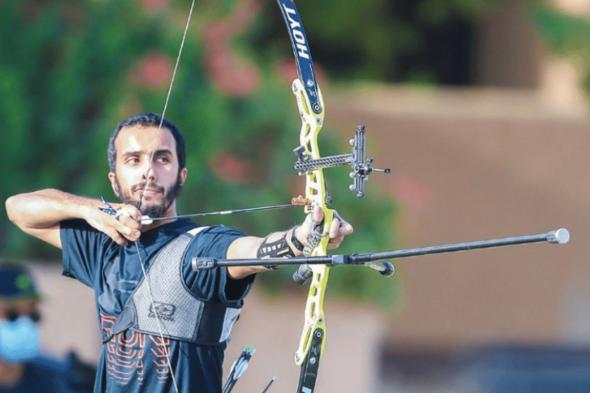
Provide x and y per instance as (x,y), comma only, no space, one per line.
(411,192)
(229,72)
(232,168)
(154,5)
(153,71)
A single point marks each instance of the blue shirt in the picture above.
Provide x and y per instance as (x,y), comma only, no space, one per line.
(134,361)
(41,375)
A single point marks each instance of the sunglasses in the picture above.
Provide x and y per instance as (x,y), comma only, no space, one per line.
(12,315)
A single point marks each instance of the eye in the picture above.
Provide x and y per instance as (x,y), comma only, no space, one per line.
(131,160)
(164,159)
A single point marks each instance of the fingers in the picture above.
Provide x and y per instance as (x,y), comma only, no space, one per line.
(123,227)
(116,236)
(130,217)
(339,229)
(130,232)
(131,212)
(128,222)
(317,215)
(336,232)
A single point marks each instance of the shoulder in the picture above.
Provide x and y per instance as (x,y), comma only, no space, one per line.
(46,367)
(200,232)
(217,230)
(48,362)
(51,374)
(215,234)
(212,240)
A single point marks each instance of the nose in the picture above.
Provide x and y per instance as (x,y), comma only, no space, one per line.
(149,173)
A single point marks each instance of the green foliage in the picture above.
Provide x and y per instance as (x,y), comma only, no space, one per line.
(70,71)
(566,35)
(373,39)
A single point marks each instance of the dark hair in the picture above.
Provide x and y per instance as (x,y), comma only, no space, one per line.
(148,119)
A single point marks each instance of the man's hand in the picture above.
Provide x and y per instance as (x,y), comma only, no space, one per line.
(249,246)
(123,227)
(338,230)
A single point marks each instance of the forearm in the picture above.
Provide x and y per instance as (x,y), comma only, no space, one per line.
(275,245)
(45,209)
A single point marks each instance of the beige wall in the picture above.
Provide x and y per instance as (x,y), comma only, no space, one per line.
(471,165)
(69,316)
(575,7)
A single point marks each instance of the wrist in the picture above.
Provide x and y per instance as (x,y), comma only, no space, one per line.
(297,246)
(86,209)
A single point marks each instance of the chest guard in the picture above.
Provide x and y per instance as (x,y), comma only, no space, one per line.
(182,316)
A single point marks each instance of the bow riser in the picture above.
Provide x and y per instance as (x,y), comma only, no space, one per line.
(315,190)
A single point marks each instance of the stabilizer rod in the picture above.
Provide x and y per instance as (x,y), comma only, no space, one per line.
(559,236)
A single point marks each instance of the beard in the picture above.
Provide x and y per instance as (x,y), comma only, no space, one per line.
(156,210)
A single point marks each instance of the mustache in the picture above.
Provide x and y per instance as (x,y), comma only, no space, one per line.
(144,186)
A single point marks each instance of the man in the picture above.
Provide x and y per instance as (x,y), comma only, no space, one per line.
(22,368)
(155,313)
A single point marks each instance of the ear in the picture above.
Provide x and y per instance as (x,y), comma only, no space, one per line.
(114,185)
(182,175)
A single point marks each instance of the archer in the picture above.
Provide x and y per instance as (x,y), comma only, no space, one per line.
(164,326)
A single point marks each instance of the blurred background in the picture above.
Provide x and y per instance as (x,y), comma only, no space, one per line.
(480,108)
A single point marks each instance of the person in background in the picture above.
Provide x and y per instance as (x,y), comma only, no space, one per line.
(23,369)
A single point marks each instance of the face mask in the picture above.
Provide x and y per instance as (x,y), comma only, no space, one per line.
(19,340)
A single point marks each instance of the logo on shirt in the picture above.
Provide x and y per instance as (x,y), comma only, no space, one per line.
(164,311)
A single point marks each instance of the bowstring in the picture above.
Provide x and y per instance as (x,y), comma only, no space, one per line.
(173,77)
(151,156)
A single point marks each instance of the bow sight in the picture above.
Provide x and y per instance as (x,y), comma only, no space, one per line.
(361,167)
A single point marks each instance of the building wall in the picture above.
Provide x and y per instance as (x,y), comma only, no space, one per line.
(471,165)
